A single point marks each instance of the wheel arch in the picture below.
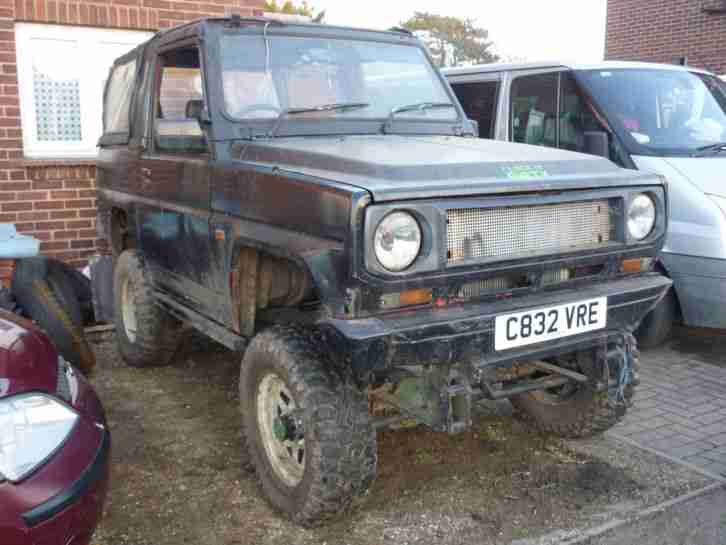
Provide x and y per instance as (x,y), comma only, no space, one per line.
(662,268)
(121,231)
(264,275)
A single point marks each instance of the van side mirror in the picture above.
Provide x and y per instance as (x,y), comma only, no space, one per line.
(195,110)
(597,143)
(474,124)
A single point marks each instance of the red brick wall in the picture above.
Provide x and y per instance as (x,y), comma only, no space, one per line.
(665,30)
(54,200)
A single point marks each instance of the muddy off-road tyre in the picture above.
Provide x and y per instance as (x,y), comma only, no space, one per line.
(581,413)
(146,335)
(47,292)
(306,427)
(44,305)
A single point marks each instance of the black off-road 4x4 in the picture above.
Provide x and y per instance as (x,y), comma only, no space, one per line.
(313,196)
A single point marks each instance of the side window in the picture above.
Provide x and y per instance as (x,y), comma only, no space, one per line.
(118,98)
(479,101)
(576,117)
(179,101)
(534,109)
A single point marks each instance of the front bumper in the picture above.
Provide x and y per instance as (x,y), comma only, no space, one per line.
(700,284)
(466,332)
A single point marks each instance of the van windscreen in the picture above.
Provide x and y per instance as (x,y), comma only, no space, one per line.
(660,111)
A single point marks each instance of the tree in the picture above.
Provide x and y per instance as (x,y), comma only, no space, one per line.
(452,40)
(288,7)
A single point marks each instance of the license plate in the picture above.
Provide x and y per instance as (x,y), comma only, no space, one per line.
(546,324)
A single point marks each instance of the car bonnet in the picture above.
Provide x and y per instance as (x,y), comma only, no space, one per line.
(28,360)
(394,167)
(707,173)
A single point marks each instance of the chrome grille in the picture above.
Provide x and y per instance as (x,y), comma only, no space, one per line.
(489,234)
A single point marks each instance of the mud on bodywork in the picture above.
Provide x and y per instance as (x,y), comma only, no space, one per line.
(388,248)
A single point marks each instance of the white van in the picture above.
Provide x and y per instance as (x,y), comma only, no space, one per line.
(661,118)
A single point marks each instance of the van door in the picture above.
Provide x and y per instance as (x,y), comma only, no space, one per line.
(480,100)
(550,109)
(534,108)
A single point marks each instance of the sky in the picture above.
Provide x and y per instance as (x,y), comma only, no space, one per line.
(522,30)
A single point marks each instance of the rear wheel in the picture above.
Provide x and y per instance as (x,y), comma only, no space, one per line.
(577,410)
(146,335)
(306,427)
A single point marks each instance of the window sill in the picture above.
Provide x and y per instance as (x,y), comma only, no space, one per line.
(57,162)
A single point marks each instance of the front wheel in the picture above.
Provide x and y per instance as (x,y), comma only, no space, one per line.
(306,427)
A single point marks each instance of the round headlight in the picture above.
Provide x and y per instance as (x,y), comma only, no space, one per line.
(397,241)
(641,216)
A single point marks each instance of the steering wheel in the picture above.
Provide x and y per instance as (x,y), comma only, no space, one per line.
(259,108)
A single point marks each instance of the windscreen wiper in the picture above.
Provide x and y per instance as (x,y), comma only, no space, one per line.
(418,107)
(718,146)
(335,107)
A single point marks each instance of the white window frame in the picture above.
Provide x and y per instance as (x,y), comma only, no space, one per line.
(94,64)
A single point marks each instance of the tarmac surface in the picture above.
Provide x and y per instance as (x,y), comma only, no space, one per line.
(700,521)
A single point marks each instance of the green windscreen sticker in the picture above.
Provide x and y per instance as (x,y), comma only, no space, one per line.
(523,172)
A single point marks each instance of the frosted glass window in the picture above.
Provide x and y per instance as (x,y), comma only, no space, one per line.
(62,71)
(57,108)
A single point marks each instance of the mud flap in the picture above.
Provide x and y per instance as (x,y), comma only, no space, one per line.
(102,287)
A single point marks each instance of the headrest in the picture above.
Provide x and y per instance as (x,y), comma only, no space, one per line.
(194,108)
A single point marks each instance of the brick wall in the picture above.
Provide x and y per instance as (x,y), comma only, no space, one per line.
(54,200)
(666,30)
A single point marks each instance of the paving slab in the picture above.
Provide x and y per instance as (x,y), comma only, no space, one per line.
(680,406)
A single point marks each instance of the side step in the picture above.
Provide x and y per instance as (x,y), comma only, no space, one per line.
(209,327)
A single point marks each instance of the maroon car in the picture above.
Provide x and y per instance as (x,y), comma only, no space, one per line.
(54,444)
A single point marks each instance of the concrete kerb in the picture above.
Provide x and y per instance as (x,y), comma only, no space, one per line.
(583,536)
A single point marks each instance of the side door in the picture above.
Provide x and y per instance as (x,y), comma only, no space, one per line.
(175,169)
(533,109)
(480,100)
(550,109)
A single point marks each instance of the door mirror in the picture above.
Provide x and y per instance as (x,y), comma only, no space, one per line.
(195,110)
(597,143)
(474,124)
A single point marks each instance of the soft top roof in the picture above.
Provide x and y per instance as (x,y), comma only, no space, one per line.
(273,25)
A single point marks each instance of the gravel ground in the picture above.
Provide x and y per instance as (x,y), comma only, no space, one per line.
(179,476)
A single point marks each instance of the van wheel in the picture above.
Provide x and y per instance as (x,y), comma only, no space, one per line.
(146,335)
(656,327)
(305,426)
(577,410)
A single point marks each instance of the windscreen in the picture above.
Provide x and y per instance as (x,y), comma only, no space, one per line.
(661,111)
(263,78)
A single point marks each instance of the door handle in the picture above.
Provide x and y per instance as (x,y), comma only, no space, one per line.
(146,174)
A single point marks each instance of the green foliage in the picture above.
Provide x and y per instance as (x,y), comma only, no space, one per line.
(288,7)
(453,40)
